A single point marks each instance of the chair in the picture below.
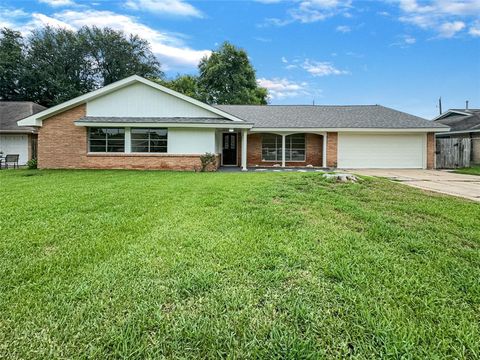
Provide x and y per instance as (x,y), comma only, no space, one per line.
(12,159)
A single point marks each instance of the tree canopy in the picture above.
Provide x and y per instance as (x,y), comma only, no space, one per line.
(228,77)
(53,65)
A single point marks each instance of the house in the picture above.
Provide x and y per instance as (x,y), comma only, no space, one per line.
(463,123)
(138,124)
(13,138)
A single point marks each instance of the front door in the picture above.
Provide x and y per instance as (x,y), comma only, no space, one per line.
(229,153)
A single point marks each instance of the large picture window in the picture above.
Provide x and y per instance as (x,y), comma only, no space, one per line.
(106,139)
(294,147)
(149,140)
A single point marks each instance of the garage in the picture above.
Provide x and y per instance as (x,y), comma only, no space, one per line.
(367,150)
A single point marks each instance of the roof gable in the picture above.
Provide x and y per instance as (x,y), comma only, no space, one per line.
(37,119)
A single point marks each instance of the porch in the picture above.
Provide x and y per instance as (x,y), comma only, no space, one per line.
(272,149)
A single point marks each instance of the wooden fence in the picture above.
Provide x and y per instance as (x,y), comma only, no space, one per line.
(453,153)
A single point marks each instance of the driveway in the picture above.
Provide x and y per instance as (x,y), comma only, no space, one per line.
(466,186)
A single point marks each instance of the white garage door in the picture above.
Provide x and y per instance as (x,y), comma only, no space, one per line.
(15,144)
(381,151)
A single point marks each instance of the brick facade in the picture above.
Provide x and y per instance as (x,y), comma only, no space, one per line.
(431,150)
(313,153)
(62,145)
(332,144)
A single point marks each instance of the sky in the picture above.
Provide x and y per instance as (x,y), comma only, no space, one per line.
(403,54)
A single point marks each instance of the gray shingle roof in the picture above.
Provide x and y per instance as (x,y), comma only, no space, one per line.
(12,111)
(182,120)
(466,123)
(321,116)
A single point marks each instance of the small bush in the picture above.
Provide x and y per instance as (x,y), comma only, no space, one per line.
(32,163)
(206,160)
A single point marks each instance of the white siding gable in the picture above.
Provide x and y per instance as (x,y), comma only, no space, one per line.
(140,100)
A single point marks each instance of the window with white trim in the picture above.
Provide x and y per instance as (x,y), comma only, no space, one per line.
(294,147)
(106,140)
(149,140)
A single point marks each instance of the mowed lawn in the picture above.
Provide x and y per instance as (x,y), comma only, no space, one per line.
(131,264)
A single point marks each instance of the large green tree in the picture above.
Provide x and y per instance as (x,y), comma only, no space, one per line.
(11,64)
(57,67)
(115,56)
(228,77)
(185,84)
(54,64)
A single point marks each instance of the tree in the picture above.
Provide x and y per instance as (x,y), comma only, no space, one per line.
(185,84)
(228,77)
(56,67)
(11,64)
(115,56)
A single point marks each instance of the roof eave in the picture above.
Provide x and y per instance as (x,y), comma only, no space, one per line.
(232,125)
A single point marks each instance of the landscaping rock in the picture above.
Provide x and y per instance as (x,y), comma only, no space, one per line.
(341,177)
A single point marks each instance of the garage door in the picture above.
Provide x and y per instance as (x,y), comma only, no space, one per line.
(381,151)
(15,144)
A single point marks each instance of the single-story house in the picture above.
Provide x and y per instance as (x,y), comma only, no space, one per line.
(137,124)
(463,123)
(16,139)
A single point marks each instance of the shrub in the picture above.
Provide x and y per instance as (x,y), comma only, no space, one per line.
(207,159)
(32,163)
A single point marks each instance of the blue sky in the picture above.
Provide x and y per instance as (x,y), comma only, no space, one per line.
(398,53)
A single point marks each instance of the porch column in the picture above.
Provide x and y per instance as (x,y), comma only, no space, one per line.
(128,141)
(324,150)
(244,149)
(283,150)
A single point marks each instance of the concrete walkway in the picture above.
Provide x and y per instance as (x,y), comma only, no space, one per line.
(445,182)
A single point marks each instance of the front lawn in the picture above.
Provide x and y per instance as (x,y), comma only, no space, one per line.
(474,170)
(131,264)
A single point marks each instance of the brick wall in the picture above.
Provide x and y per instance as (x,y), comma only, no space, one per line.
(332,144)
(62,145)
(431,150)
(313,155)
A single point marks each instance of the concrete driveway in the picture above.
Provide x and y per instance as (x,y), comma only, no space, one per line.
(466,186)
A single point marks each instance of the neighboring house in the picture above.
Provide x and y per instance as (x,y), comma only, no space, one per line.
(464,123)
(13,138)
(138,124)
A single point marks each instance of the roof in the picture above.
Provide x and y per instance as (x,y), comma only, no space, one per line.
(12,111)
(37,119)
(461,120)
(328,116)
(131,121)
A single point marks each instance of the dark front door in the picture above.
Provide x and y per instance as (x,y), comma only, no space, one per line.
(229,153)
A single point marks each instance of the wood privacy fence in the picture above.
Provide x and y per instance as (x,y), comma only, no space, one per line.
(453,153)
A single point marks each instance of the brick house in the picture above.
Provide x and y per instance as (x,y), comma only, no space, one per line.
(138,124)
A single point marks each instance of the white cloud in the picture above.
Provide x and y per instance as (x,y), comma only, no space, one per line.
(58,3)
(309,11)
(410,40)
(283,88)
(450,29)
(171,50)
(404,41)
(284,60)
(475,29)
(322,68)
(445,17)
(169,7)
(343,28)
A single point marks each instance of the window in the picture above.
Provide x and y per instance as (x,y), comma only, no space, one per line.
(294,147)
(149,140)
(106,140)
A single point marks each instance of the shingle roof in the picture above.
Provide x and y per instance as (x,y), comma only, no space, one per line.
(322,116)
(12,111)
(458,122)
(182,120)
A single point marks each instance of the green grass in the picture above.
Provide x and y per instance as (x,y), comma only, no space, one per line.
(474,170)
(130,264)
